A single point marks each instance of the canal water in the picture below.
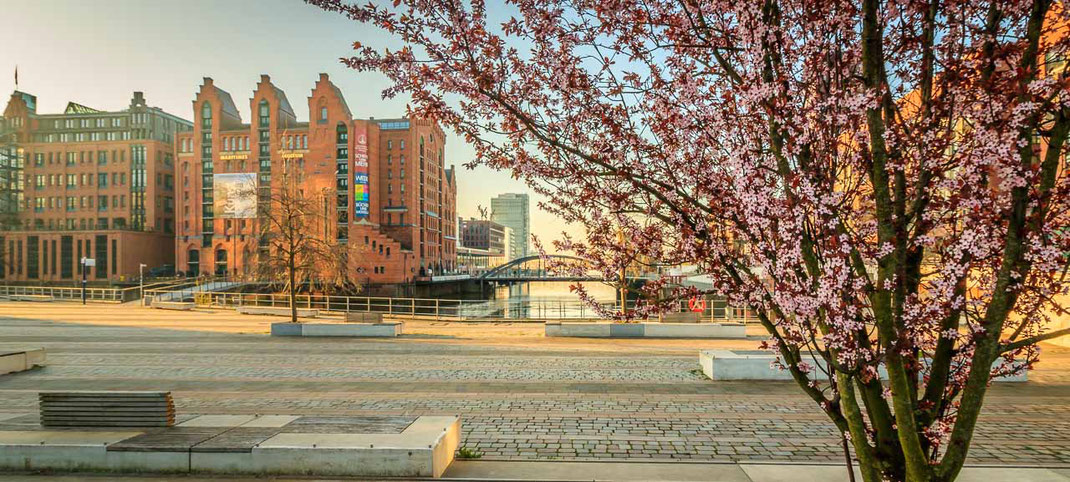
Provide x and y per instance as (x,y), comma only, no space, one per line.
(542,299)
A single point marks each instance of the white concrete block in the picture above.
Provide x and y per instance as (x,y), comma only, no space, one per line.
(578,329)
(424,449)
(33,458)
(734,365)
(174,305)
(64,450)
(695,330)
(374,330)
(645,330)
(12,362)
(35,357)
(121,461)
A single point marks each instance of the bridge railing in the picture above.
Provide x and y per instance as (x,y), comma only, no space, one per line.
(507,309)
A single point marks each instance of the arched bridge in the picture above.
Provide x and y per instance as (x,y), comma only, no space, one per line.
(532,268)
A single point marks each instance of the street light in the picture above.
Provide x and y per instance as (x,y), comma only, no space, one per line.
(141,281)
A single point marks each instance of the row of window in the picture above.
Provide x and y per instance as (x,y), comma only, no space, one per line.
(80,157)
(72,224)
(86,136)
(241,143)
(41,204)
(81,180)
(85,123)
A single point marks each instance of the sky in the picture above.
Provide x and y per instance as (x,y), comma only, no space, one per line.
(98,52)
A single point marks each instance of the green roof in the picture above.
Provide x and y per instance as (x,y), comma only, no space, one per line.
(73,108)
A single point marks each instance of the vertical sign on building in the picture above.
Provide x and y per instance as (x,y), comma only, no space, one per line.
(360,173)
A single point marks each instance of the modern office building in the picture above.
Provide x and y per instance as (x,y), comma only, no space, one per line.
(383,182)
(86,183)
(511,210)
(485,235)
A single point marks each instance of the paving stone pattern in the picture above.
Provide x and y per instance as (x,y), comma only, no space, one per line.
(538,401)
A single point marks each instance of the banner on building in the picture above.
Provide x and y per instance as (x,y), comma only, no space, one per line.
(235,195)
(361,199)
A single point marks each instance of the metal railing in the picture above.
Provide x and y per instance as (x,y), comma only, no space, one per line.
(111,295)
(97,294)
(507,309)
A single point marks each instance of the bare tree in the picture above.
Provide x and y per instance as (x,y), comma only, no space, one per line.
(295,245)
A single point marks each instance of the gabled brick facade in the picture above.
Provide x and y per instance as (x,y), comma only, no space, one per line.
(349,162)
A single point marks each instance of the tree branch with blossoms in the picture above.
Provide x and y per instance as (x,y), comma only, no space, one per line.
(879,180)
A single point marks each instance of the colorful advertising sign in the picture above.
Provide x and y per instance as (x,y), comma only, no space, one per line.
(234,195)
(361,189)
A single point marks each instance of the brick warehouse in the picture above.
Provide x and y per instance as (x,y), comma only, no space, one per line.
(85,183)
(392,193)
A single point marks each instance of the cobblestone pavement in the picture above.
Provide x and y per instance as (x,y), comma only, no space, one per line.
(521,396)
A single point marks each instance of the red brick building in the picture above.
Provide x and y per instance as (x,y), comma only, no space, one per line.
(85,183)
(388,188)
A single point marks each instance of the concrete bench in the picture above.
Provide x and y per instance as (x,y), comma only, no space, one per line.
(681,317)
(41,298)
(268,446)
(386,329)
(106,409)
(756,365)
(276,311)
(18,361)
(645,330)
(364,317)
(174,305)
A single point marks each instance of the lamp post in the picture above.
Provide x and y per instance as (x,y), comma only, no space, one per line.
(84,268)
(141,281)
(86,264)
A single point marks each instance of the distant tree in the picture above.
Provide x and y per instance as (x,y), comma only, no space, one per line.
(880,180)
(296,247)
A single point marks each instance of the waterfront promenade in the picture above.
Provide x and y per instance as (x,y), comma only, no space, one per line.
(521,396)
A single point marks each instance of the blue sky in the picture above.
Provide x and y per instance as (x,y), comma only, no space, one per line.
(97,52)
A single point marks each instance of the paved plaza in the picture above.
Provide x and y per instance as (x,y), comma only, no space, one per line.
(520,396)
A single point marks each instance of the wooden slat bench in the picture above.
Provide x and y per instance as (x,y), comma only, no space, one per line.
(107,409)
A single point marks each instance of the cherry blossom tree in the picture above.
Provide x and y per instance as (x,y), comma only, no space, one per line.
(881,180)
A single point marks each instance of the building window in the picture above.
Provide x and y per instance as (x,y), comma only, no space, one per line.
(264,113)
(206,115)
(343,134)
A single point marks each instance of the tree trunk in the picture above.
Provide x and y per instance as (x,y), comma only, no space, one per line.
(293,291)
